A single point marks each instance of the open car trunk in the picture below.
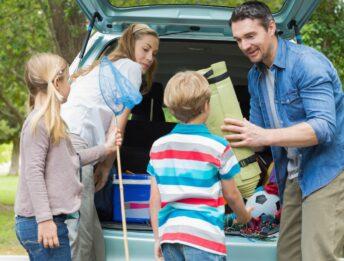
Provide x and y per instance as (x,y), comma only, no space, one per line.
(149,122)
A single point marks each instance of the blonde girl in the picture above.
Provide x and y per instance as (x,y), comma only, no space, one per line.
(49,188)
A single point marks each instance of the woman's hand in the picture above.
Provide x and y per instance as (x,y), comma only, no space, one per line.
(157,251)
(102,170)
(47,234)
(101,175)
(113,140)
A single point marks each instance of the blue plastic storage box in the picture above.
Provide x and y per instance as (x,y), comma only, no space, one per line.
(136,197)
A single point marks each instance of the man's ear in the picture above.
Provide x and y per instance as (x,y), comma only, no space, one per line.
(272,28)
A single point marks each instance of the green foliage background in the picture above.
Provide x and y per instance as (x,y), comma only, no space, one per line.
(28,27)
(325,32)
(9,244)
(274,5)
(23,32)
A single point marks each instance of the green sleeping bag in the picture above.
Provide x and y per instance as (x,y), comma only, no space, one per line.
(224,103)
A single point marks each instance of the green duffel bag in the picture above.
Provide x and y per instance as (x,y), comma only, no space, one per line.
(224,103)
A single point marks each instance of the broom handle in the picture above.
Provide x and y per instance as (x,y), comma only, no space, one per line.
(121,193)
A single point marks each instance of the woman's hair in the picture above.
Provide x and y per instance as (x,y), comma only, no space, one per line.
(126,49)
(40,72)
(186,94)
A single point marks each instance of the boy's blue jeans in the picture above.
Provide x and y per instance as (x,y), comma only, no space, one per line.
(26,230)
(179,252)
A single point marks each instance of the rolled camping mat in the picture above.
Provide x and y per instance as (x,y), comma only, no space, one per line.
(224,103)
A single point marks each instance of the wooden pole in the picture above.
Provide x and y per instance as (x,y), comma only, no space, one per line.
(121,193)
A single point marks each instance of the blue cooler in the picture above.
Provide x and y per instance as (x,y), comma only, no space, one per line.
(136,196)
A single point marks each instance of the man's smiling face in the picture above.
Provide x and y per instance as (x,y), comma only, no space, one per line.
(254,40)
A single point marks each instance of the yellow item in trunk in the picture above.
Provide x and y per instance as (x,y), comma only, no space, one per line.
(224,103)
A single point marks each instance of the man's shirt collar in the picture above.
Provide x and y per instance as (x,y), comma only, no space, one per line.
(280,58)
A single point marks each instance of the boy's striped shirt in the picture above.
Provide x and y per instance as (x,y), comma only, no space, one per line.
(188,165)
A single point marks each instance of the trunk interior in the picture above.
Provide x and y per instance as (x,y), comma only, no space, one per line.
(149,120)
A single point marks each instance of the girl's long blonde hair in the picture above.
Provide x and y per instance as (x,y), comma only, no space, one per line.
(126,49)
(40,72)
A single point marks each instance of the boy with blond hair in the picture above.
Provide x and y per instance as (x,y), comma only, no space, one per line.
(192,175)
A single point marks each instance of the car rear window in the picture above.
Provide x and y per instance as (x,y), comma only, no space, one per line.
(275,5)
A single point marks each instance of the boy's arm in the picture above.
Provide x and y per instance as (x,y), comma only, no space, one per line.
(154,206)
(228,169)
(235,201)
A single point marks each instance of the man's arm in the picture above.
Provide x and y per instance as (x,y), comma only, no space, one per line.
(299,135)
(249,135)
(315,86)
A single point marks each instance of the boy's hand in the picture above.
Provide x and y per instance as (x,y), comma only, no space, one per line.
(157,251)
(247,218)
(47,234)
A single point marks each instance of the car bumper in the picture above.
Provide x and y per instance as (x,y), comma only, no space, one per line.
(141,247)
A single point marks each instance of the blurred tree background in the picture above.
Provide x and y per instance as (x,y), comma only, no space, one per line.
(59,26)
(325,32)
(28,27)
(274,5)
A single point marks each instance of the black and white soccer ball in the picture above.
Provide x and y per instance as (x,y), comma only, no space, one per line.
(263,203)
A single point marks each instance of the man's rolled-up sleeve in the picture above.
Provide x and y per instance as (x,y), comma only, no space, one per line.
(316,91)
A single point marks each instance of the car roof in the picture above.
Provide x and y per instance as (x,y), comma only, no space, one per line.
(191,18)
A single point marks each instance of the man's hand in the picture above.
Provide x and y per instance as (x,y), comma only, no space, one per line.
(245,134)
(47,234)
(101,175)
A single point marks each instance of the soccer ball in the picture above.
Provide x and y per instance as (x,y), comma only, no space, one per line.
(263,203)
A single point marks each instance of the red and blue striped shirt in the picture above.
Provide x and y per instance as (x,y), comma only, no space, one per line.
(188,165)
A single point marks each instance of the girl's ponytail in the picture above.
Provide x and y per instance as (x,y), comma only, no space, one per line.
(41,71)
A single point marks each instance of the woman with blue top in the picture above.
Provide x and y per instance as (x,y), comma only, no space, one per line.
(90,119)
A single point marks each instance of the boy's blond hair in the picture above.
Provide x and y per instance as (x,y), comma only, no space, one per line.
(186,94)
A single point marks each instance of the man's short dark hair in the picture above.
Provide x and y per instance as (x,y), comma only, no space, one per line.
(252,10)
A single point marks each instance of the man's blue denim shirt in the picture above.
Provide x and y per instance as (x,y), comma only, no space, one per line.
(307,89)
